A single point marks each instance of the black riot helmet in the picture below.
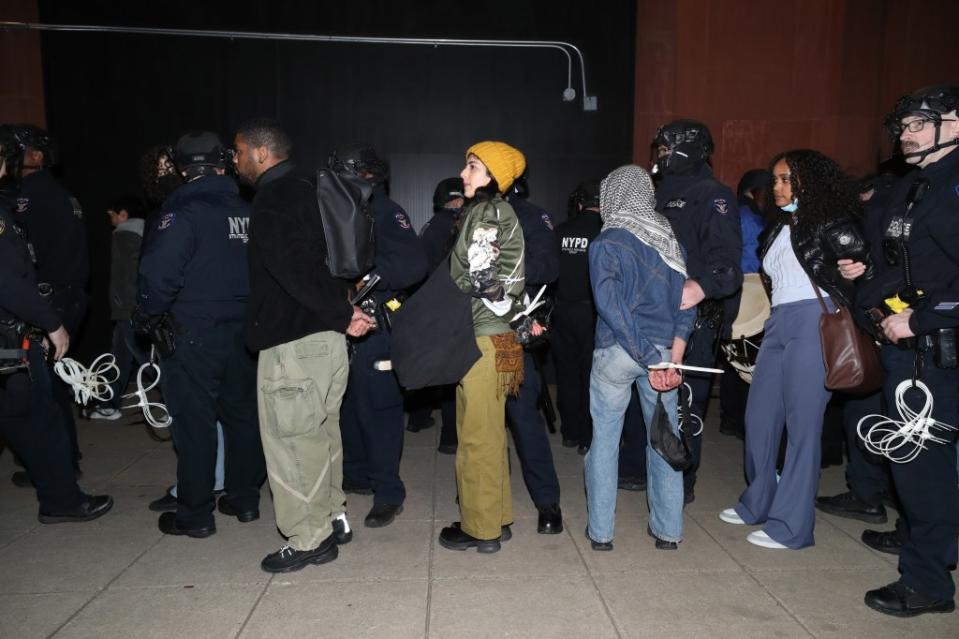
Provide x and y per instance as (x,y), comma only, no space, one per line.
(199,153)
(361,160)
(689,143)
(930,104)
(33,137)
(586,195)
(447,191)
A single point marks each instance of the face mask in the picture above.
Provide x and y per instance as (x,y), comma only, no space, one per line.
(792,207)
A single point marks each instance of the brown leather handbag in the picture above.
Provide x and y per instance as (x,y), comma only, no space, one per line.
(850,355)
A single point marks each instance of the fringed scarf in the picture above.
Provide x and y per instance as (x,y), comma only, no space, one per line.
(509,363)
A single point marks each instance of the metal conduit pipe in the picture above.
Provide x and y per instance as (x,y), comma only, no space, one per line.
(569,94)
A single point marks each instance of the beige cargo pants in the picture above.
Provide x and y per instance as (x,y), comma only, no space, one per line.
(300,386)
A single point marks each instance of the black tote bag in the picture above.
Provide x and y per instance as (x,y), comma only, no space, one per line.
(433,342)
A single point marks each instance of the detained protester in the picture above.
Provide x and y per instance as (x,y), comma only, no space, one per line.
(30,421)
(371,422)
(296,319)
(487,263)
(193,292)
(914,299)
(637,275)
(818,226)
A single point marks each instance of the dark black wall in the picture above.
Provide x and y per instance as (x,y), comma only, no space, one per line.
(111,96)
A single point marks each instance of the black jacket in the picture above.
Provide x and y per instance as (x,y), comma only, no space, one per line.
(292,293)
(193,262)
(704,215)
(19,299)
(818,246)
(55,227)
(933,246)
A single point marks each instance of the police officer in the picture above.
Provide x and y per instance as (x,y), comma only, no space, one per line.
(437,237)
(193,286)
(705,217)
(29,421)
(372,417)
(541,257)
(914,297)
(574,316)
(57,234)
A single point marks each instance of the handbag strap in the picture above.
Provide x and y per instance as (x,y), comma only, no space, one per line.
(822,302)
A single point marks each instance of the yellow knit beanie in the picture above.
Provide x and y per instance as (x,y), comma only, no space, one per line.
(504,162)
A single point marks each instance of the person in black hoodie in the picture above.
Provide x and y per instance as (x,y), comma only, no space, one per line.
(296,319)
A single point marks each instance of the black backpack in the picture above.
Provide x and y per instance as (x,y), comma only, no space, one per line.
(344,201)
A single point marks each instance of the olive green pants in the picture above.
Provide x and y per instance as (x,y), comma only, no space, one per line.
(300,386)
(482,467)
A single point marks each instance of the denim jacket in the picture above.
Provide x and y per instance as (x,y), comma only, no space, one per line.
(637,297)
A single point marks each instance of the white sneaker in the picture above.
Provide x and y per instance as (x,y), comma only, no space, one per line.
(105,412)
(760,538)
(730,516)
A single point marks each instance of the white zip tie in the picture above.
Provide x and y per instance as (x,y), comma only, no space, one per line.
(141,394)
(89,383)
(690,412)
(886,436)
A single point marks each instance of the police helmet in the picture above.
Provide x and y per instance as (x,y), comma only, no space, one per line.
(689,143)
(447,191)
(199,152)
(361,159)
(587,194)
(929,103)
(33,137)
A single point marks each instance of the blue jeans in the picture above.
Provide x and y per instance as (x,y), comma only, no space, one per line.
(613,373)
(219,473)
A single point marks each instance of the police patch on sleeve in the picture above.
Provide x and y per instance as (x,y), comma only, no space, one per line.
(23,203)
(677,203)
(548,222)
(402,220)
(721,206)
(166,221)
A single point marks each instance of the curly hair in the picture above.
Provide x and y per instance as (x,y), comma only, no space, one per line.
(824,191)
(149,178)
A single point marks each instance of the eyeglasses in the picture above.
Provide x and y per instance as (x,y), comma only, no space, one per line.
(917,125)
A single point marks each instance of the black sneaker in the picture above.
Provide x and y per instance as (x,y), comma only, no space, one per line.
(851,507)
(899,600)
(602,546)
(287,559)
(342,533)
(382,515)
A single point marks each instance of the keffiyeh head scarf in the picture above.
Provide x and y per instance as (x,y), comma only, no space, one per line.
(627,201)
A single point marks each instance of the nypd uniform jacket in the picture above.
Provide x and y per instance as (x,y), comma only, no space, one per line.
(19,299)
(437,237)
(400,259)
(194,261)
(53,220)
(542,256)
(574,237)
(704,215)
(933,247)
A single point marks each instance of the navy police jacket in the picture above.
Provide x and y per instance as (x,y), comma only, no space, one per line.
(541,252)
(933,247)
(400,259)
(54,223)
(704,215)
(194,260)
(19,299)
